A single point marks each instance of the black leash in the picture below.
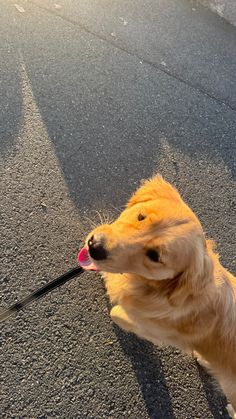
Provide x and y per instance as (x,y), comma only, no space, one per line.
(55,283)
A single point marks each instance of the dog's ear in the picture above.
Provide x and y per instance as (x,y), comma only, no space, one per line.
(197,275)
(154,188)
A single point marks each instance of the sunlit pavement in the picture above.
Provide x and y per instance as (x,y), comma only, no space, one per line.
(94,96)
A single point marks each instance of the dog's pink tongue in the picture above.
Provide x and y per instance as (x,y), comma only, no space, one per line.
(85,261)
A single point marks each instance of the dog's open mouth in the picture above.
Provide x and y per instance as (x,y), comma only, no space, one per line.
(85,260)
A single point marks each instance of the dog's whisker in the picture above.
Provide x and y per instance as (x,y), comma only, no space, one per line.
(90,221)
(117,209)
(100,217)
(105,219)
(108,218)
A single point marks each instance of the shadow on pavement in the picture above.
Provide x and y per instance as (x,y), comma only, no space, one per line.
(210,386)
(107,130)
(148,371)
(106,113)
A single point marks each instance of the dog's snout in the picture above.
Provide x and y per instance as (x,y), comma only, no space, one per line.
(96,248)
(91,241)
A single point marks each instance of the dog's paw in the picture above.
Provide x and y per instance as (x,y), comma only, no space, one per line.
(231,411)
(121,318)
(201,361)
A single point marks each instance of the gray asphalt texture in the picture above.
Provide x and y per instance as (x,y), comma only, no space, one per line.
(95,96)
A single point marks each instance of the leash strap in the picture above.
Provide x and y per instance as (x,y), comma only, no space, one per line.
(55,283)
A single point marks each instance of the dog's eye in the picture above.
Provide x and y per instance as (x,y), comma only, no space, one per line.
(141,217)
(153,255)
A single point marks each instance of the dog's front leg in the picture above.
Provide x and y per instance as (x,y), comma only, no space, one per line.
(231,411)
(122,319)
(205,364)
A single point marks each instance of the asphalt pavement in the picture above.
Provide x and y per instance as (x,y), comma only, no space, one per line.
(94,97)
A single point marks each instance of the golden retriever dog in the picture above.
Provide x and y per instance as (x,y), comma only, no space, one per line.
(166,282)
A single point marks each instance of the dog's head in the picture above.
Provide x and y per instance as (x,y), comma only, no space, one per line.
(156,237)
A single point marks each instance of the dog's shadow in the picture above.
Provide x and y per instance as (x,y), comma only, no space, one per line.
(148,371)
(216,400)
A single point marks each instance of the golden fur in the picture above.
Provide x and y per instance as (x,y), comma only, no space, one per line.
(186,299)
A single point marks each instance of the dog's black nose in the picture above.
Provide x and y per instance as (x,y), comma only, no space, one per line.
(96,249)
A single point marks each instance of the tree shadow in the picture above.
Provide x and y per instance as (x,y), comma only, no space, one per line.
(106,115)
